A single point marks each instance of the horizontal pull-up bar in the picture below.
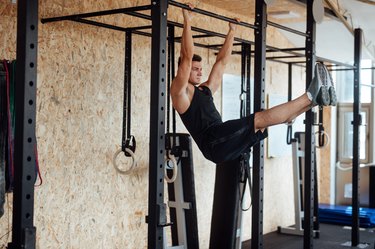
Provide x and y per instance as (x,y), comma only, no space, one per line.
(284,50)
(210,14)
(338,63)
(285,56)
(97,13)
(220,17)
(109,26)
(196,36)
(368,85)
(297,32)
(176,24)
(132,11)
(331,68)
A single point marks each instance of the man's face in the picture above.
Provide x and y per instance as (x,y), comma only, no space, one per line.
(196,73)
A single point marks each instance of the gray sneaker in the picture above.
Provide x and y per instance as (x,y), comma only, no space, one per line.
(318,88)
(331,89)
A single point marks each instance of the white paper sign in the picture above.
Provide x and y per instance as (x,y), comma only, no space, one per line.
(231,103)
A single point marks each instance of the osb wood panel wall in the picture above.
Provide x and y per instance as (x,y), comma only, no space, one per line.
(83,202)
(324,160)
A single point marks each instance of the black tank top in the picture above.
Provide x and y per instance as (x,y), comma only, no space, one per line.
(201,114)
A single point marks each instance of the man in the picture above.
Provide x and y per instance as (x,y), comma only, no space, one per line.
(193,101)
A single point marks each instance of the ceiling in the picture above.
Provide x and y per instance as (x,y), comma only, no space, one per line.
(334,41)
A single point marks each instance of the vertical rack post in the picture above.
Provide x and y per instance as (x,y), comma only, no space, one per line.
(258,149)
(23,231)
(156,209)
(310,141)
(356,123)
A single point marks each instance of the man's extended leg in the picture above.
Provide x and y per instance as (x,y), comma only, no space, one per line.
(283,113)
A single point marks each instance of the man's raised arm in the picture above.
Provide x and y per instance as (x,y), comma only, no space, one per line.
(181,80)
(222,58)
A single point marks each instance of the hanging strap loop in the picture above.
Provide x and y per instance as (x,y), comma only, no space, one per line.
(245,179)
(128,143)
(323,137)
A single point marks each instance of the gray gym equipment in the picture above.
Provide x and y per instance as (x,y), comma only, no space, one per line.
(298,155)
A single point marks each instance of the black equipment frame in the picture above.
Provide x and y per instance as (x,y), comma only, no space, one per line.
(356,124)
(309,135)
(24,232)
(157,219)
(259,104)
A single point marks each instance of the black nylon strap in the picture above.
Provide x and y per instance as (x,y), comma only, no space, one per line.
(290,80)
(245,79)
(244,112)
(128,141)
(245,178)
(321,139)
(243,75)
(171,72)
(248,68)
(169,79)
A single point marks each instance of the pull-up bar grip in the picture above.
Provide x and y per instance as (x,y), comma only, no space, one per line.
(97,13)
(210,14)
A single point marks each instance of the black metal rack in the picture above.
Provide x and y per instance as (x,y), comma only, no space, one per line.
(24,232)
(23,229)
(356,124)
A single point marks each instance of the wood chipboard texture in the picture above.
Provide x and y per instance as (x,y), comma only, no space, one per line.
(83,202)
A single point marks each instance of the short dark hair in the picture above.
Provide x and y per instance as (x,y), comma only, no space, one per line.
(195,58)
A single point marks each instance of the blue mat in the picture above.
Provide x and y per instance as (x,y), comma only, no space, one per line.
(342,215)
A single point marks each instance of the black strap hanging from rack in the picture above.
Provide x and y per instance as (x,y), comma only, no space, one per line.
(244,112)
(245,80)
(175,150)
(290,80)
(245,177)
(128,140)
(321,138)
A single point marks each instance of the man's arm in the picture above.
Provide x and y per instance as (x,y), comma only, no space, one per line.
(180,83)
(222,58)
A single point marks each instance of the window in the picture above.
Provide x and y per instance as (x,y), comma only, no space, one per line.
(344,87)
(345,136)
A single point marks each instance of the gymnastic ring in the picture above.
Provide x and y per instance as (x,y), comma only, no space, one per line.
(171,158)
(133,165)
(327,136)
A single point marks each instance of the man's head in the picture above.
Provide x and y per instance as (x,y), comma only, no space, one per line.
(196,70)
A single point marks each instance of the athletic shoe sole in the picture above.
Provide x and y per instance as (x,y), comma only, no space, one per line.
(323,97)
